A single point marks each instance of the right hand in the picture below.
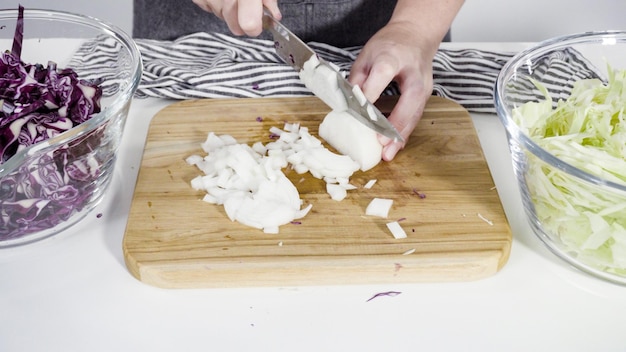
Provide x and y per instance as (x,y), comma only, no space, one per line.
(243,17)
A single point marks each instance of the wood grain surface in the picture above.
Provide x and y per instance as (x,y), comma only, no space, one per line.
(458,232)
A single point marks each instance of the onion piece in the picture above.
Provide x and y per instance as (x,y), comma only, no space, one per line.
(379,207)
(396,230)
(409,252)
(370,184)
(251,186)
(321,79)
(481,217)
(336,191)
(358,94)
(214,142)
(350,137)
(194,159)
(306,153)
(348,186)
(371,113)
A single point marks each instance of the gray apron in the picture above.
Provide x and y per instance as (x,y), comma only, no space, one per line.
(341,23)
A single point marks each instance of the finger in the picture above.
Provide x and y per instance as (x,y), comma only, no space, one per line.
(229,14)
(359,70)
(250,17)
(272,6)
(404,117)
(381,73)
(203,5)
(376,78)
(391,150)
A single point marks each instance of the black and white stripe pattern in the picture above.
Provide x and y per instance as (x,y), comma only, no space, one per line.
(468,76)
(557,71)
(213,65)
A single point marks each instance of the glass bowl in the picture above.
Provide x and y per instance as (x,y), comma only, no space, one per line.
(572,196)
(51,185)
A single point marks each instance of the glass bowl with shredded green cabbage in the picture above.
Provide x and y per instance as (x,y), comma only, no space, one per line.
(66,84)
(563,106)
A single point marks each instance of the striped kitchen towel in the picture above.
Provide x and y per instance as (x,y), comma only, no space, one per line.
(213,65)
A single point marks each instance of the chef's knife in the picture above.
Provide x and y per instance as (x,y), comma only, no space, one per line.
(295,53)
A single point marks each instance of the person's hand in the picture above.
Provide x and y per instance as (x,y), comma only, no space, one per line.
(403,51)
(243,17)
(394,54)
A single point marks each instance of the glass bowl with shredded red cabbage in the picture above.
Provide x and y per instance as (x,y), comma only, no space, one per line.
(563,105)
(66,84)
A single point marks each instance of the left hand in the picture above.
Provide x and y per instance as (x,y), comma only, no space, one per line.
(392,54)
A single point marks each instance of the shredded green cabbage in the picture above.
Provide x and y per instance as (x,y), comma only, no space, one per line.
(587,131)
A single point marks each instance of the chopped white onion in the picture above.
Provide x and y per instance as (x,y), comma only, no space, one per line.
(348,186)
(409,252)
(321,79)
(370,184)
(194,159)
(209,199)
(251,186)
(379,207)
(336,191)
(259,148)
(396,230)
(301,168)
(248,180)
(484,219)
(334,66)
(371,113)
(358,94)
(275,130)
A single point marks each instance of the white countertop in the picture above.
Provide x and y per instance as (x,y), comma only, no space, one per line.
(74,293)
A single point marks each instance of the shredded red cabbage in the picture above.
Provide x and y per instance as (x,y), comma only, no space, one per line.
(418,193)
(381,294)
(38,103)
(19,33)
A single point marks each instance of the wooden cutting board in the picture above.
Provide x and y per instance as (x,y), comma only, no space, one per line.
(457,232)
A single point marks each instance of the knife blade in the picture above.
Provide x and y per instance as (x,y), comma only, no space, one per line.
(296,53)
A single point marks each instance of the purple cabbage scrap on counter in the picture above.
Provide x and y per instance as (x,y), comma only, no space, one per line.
(37,103)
